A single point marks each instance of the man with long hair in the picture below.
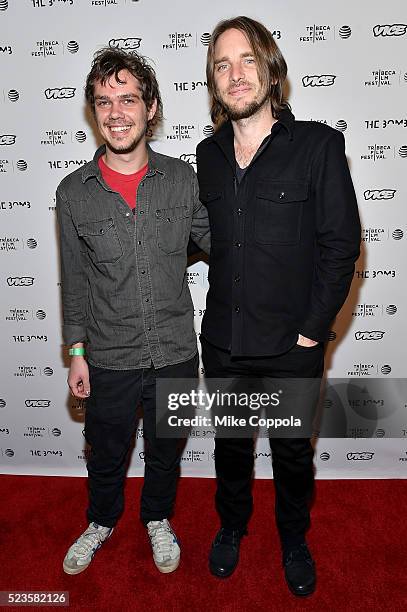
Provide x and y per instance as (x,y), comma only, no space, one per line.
(285,237)
(125,219)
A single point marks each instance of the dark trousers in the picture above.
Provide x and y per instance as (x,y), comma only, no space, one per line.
(292,459)
(110,425)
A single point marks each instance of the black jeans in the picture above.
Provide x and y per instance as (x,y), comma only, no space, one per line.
(109,428)
(292,459)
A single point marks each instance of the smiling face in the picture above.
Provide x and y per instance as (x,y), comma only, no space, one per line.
(237,82)
(121,114)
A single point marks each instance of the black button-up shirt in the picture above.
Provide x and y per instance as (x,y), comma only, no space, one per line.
(124,281)
(289,231)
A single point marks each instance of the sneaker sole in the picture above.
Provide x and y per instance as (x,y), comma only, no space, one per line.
(167,569)
(73,571)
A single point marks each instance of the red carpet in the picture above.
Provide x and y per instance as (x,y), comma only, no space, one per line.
(359,542)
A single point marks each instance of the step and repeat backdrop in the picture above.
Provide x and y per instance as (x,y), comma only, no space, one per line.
(347,68)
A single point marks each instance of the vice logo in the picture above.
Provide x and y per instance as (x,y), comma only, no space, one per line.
(59,93)
(366,456)
(379,194)
(20,281)
(8,139)
(318,80)
(190,158)
(125,44)
(395,29)
(37,403)
(369,335)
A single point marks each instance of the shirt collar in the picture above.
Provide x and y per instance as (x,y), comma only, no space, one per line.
(91,169)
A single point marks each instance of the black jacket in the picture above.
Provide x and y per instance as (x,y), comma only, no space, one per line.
(284,240)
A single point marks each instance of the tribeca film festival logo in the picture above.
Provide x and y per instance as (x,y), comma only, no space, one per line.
(368,369)
(378,234)
(17,166)
(28,371)
(14,243)
(59,93)
(125,44)
(374,310)
(7,452)
(379,194)
(46,48)
(340,125)
(395,29)
(60,137)
(318,80)
(386,77)
(24,314)
(35,431)
(316,33)
(193,456)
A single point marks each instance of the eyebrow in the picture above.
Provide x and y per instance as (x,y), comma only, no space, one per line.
(242,55)
(123,95)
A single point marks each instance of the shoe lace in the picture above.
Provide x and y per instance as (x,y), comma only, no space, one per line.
(161,537)
(87,544)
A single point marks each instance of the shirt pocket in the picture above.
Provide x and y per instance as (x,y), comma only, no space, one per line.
(102,240)
(220,222)
(171,228)
(279,209)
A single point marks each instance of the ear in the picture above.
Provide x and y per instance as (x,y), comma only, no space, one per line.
(152,111)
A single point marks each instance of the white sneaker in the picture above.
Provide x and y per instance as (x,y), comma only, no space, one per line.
(81,552)
(166,552)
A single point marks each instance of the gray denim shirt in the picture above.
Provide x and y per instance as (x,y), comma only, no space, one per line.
(124,280)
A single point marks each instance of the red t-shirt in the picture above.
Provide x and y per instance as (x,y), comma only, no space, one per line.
(125,184)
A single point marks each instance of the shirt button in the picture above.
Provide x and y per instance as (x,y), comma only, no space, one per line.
(141,212)
(143,271)
(102,231)
(147,300)
(148,328)
(139,242)
(238,245)
(127,214)
(237,309)
(239,211)
(237,279)
(282,195)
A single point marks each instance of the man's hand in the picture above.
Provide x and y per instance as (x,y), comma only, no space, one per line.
(78,378)
(303,341)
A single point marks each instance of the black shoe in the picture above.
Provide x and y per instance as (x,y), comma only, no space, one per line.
(299,570)
(224,555)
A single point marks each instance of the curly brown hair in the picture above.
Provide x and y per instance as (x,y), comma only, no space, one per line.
(108,62)
(271,65)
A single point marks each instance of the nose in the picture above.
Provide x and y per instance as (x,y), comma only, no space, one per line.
(236,72)
(115,110)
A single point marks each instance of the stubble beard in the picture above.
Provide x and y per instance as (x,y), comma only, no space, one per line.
(125,149)
(250,109)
